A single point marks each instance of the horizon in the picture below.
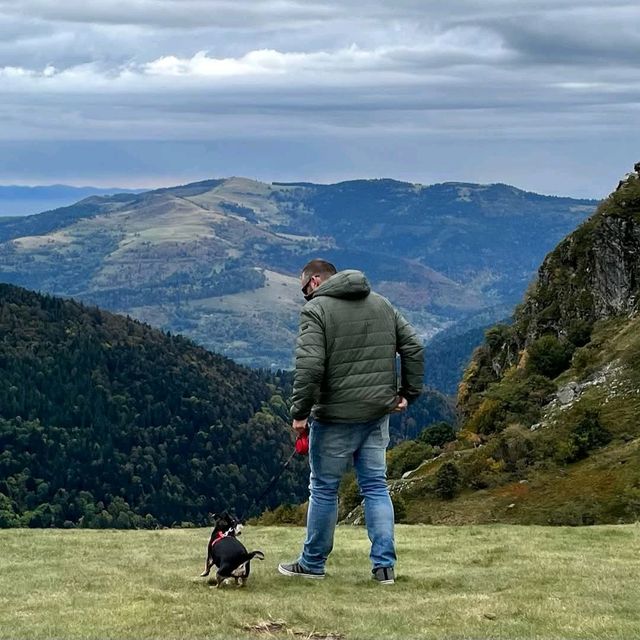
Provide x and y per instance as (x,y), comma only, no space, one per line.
(135,186)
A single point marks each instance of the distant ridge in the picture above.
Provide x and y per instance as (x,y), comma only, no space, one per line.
(293,184)
(218,259)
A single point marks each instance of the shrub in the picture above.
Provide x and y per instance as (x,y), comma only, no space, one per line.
(482,471)
(575,514)
(631,503)
(579,332)
(407,456)
(8,517)
(447,481)
(41,517)
(549,356)
(488,418)
(514,448)
(588,434)
(349,495)
(285,514)
(399,507)
(520,397)
(438,434)
(585,359)
(498,336)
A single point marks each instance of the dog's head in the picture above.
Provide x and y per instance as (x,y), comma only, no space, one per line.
(226,523)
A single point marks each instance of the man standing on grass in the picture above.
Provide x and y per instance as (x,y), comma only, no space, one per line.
(346,382)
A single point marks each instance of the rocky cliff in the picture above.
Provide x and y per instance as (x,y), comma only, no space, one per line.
(549,403)
(592,275)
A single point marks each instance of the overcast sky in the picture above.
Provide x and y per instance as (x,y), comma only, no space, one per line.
(544,95)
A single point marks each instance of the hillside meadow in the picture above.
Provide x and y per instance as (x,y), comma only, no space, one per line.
(493,581)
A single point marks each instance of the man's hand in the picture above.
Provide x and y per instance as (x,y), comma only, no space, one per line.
(299,426)
(401,406)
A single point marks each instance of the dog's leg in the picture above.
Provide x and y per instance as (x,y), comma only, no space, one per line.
(207,567)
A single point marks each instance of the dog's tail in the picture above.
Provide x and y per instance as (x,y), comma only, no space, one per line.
(255,554)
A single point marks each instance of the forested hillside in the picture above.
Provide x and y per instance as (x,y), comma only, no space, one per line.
(105,421)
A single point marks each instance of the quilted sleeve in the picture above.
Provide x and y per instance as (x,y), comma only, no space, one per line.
(411,351)
(310,362)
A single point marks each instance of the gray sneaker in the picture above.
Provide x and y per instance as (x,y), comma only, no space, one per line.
(384,575)
(295,569)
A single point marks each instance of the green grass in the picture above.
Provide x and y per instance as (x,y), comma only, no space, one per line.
(454,582)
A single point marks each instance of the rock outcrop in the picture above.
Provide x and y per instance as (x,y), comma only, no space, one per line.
(593,274)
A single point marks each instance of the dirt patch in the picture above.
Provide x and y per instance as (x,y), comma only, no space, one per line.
(272,628)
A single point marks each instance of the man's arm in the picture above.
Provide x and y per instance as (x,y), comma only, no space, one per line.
(411,351)
(310,363)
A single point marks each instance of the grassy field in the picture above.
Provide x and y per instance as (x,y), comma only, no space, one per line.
(454,582)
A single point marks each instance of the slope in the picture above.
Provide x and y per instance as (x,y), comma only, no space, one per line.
(106,421)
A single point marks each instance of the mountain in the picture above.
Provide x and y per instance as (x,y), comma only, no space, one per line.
(18,200)
(105,421)
(550,402)
(218,260)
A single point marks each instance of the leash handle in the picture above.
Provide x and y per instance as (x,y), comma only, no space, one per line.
(302,443)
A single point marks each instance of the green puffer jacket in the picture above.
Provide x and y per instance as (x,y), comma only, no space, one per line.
(346,354)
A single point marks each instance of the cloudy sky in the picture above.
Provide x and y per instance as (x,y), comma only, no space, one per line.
(542,94)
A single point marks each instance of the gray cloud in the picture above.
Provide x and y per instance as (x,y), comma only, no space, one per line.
(170,14)
(534,72)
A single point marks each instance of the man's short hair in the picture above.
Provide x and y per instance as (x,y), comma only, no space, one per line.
(318,267)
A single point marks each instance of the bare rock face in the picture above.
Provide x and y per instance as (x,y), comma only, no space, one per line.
(568,393)
(594,273)
(615,277)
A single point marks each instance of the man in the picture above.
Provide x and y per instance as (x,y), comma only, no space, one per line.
(346,381)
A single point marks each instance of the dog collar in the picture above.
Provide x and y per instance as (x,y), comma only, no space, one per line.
(219,537)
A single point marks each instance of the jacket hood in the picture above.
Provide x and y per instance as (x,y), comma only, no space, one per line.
(350,284)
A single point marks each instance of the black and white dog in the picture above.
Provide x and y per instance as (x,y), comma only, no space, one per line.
(227,553)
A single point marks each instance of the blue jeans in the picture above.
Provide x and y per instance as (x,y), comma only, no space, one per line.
(332,448)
